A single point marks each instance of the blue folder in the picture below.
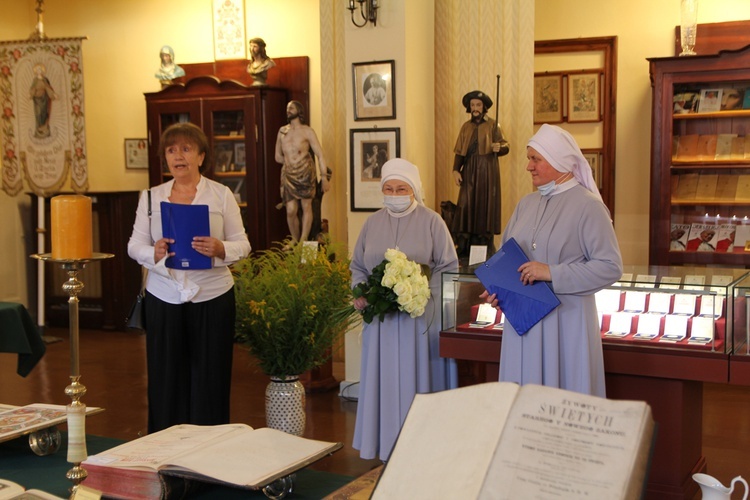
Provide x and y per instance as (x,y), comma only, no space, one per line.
(182,223)
(524,305)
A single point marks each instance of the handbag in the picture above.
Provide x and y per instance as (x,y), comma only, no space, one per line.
(136,318)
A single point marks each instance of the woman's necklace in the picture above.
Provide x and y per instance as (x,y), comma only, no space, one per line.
(394,234)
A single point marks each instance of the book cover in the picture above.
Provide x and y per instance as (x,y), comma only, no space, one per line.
(687,187)
(741,238)
(710,100)
(742,192)
(678,237)
(182,223)
(724,146)
(747,143)
(726,187)
(725,237)
(706,149)
(523,442)
(706,190)
(702,237)
(687,147)
(738,148)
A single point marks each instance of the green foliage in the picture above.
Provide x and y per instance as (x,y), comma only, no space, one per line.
(293,305)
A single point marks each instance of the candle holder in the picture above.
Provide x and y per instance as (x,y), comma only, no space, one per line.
(76,409)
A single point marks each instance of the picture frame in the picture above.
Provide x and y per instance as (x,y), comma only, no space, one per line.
(710,100)
(229,29)
(237,186)
(594,157)
(239,157)
(136,154)
(374,90)
(548,98)
(223,157)
(584,97)
(368,149)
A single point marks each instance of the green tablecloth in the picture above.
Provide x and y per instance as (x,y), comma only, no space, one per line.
(18,463)
(18,333)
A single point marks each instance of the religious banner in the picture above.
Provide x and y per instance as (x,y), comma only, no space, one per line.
(42,122)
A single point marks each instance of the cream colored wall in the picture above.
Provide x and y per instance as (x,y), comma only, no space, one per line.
(644,29)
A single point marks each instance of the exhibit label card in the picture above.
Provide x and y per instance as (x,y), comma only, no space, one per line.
(670,282)
(648,326)
(620,324)
(684,304)
(694,282)
(702,330)
(607,301)
(711,306)
(635,301)
(645,281)
(659,302)
(675,328)
(477,254)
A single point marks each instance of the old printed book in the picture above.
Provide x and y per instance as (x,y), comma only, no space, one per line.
(502,441)
(232,454)
(702,237)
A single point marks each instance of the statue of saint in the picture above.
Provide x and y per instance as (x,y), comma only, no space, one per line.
(168,70)
(260,62)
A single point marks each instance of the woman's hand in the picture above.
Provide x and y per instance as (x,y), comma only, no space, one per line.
(208,246)
(161,249)
(534,271)
(490,299)
(360,303)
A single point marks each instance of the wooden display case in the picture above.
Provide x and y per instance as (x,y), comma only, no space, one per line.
(700,157)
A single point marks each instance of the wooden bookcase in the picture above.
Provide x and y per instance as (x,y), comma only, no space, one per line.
(675,166)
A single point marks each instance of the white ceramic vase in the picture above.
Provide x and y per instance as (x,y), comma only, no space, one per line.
(285,405)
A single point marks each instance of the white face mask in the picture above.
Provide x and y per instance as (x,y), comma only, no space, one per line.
(550,186)
(397,204)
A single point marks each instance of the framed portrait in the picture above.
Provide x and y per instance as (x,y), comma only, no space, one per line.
(374,90)
(136,154)
(229,29)
(239,156)
(237,186)
(710,100)
(584,97)
(548,98)
(594,157)
(369,149)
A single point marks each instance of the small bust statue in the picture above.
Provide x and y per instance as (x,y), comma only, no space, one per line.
(168,70)
(260,62)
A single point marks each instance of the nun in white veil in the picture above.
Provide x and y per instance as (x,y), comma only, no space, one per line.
(567,234)
(400,355)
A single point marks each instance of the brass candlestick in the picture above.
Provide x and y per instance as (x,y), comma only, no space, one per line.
(76,409)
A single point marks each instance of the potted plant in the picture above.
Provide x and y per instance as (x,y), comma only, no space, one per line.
(293,304)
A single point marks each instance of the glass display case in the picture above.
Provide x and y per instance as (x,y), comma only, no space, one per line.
(742,318)
(676,307)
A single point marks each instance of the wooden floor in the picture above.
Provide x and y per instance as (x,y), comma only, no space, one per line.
(113,371)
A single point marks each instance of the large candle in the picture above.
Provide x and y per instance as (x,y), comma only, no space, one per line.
(71,227)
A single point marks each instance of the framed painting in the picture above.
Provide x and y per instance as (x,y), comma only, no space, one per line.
(369,149)
(239,156)
(548,102)
(594,157)
(229,29)
(374,90)
(136,154)
(223,153)
(584,97)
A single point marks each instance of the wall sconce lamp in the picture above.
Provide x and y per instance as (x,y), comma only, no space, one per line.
(368,11)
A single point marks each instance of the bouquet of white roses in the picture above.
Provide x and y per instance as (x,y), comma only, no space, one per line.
(396,284)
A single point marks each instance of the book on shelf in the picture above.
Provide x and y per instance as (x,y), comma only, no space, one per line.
(706,148)
(687,187)
(725,237)
(500,440)
(746,100)
(742,238)
(702,237)
(161,464)
(726,187)
(678,237)
(710,100)
(738,148)
(724,146)
(747,142)
(706,189)
(687,147)
(742,192)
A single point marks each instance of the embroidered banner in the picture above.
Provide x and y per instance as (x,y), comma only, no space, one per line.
(43,126)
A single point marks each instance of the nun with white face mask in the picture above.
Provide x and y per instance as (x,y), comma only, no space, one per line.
(566,232)
(400,355)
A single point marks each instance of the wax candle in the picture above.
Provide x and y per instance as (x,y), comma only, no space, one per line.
(71,227)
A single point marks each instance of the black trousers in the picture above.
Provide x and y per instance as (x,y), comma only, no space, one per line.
(189,358)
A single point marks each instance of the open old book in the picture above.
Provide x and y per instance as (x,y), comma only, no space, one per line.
(501,441)
(232,454)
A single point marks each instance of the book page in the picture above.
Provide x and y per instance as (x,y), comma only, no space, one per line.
(157,449)
(562,444)
(446,442)
(253,458)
